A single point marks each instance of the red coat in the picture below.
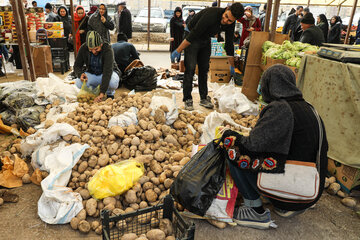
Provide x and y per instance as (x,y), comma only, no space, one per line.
(245,33)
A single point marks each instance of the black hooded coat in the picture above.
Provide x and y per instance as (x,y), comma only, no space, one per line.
(324,25)
(286,130)
(176,30)
(97,25)
(334,35)
(66,20)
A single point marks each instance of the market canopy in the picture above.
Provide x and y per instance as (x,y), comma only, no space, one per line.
(334,3)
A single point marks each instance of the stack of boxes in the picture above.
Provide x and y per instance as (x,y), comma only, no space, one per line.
(54,29)
(8,31)
(35,18)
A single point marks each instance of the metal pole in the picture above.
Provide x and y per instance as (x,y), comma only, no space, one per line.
(350,22)
(20,42)
(338,12)
(218,3)
(308,4)
(26,41)
(268,15)
(148,27)
(73,30)
(274,20)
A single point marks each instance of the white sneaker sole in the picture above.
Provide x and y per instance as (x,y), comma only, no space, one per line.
(257,225)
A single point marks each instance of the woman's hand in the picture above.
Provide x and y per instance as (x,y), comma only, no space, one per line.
(81,31)
(250,29)
(103,19)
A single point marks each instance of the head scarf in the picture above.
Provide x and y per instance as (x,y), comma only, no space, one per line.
(92,10)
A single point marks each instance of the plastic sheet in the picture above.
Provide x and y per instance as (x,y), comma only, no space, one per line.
(115,179)
(200,180)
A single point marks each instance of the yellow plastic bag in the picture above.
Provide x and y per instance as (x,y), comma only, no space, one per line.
(115,179)
(87,94)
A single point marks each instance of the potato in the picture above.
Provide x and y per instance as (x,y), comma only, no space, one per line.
(117,131)
(155,180)
(84,226)
(83,166)
(156,167)
(155,234)
(166,226)
(74,223)
(178,156)
(150,195)
(333,188)
(117,211)
(96,115)
(112,148)
(26,178)
(91,205)
(131,129)
(81,215)
(160,116)
(110,207)
(144,113)
(135,141)
(170,238)
(143,124)
(143,204)
(85,194)
(184,161)
(103,160)
(168,182)
(159,155)
(130,196)
(94,225)
(144,179)
(99,230)
(342,194)
(178,124)
(121,225)
(147,136)
(170,139)
(349,202)
(147,186)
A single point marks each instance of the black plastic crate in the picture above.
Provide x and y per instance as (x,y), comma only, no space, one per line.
(182,229)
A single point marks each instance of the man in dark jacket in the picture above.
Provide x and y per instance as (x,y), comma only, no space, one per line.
(123,20)
(262,17)
(297,31)
(291,20)
(311,34)
(190,16)
(124,52)
(51,16)
(197,45)
(101,69)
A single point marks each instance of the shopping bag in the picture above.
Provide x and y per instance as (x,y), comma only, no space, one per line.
(43,60)
(88,94)
(115,179)
(200,180)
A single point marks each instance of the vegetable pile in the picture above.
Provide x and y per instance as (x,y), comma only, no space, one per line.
(288,51)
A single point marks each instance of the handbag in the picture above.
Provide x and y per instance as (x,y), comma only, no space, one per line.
(299,183)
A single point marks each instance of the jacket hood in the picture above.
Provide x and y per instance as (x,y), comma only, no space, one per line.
(92,10)
(67,12)
(178,9)
(337,20)
(279,82)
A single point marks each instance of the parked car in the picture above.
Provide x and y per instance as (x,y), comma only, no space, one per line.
(158,22)
(169,14)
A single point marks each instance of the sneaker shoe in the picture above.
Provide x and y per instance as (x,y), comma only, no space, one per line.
(206,103)
(248,217)
(189,105)
(287,214)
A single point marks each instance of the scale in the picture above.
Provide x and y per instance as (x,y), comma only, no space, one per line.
(340,52)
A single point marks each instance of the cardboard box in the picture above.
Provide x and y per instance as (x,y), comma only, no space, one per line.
(220,76)
(270,62)
(347,176)
(54,26)
(55,33)
(182,67)
(219,63)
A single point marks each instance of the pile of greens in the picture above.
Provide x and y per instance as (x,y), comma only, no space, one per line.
(288,51)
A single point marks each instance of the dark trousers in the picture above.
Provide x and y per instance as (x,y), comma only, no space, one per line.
(245,181)
(197,53)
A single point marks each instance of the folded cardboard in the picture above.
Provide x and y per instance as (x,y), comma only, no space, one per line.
(347,176)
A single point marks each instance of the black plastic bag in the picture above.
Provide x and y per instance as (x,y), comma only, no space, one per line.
(29,117)
(8,117)
(140,78)
(19,100)
(200,179)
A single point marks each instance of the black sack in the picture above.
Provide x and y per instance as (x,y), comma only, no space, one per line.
(140,78)
(200,180)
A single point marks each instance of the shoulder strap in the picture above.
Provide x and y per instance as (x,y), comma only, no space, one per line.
(320,137)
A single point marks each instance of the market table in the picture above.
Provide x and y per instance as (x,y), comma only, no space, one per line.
(333,88)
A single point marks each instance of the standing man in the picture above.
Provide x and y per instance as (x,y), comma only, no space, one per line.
(124,52)
(197,46)
(291,21)
(311,34)
(297,31)
(100,67)
(262,17)
(123,20)
(51,16)
(34,4)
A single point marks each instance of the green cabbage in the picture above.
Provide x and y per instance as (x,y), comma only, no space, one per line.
(267,45)
(293,62)
(310,48)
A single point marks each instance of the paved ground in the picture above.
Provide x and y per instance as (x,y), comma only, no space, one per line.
(329,220)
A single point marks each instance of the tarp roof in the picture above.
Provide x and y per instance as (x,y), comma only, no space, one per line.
(343,3)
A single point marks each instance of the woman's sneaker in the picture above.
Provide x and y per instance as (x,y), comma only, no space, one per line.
(248,217)
(287,214)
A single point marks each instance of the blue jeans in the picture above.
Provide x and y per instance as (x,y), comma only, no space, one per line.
(245,181)
(95,80)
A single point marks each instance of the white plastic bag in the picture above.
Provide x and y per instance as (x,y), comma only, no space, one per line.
(213,120)
(46,136)
(59,204)
(53,88)
(58,112)
(231,99)
(123,120)
(162,99)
